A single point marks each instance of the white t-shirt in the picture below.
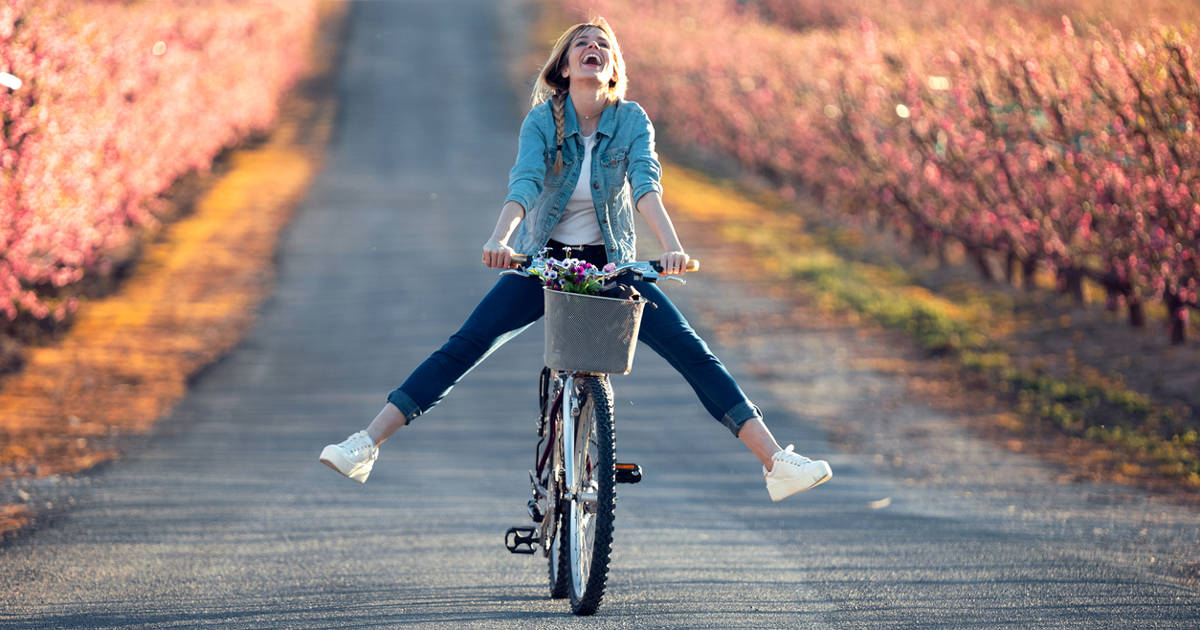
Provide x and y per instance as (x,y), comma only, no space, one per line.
(578,224)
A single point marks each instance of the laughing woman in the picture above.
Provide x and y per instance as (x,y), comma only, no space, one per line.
(585,162)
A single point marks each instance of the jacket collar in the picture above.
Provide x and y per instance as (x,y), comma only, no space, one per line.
(608,119)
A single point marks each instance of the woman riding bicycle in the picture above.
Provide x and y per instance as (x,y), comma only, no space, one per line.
(585,160)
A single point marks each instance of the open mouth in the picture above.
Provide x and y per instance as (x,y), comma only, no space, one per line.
(591,59)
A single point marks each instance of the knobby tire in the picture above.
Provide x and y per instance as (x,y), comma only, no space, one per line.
(595,406)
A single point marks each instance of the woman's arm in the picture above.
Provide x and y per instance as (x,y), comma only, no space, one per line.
(496,252)
(524,186)
(645,172)
(528,173)
(674,259)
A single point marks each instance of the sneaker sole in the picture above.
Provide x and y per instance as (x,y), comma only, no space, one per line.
(333,459)
(781,495)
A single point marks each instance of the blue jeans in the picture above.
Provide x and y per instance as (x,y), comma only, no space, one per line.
(516,302)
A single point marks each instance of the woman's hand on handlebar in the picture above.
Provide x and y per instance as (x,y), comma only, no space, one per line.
(497,255)
(674,263)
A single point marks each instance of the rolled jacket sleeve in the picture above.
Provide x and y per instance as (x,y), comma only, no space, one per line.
(645,172)
(527,174)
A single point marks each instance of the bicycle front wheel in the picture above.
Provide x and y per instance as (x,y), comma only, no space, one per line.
(593,496)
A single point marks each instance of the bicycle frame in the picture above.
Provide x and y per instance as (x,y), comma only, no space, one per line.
(556,394)
(574,475)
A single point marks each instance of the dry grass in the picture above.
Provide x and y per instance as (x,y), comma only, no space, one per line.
(127,358)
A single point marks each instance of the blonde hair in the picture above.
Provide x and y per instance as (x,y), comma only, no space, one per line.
(552,86)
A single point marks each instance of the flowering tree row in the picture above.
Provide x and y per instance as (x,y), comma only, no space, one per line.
(929,15)
(104,105)
(1070,151)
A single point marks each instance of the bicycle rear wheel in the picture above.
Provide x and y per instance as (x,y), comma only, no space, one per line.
(588,518)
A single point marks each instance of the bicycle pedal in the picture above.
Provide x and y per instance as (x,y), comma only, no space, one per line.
(521,540)
(628,473)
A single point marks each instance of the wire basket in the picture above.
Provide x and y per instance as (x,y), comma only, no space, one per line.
(589,333)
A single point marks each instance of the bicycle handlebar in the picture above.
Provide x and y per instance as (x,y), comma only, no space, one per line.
(647,270)
(693,264)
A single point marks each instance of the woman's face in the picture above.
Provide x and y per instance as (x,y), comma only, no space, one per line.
(589,56)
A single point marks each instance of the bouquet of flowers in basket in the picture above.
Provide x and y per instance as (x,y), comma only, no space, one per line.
(570,275)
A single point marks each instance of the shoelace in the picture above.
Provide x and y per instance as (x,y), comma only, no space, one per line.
(788,454)
(360,444)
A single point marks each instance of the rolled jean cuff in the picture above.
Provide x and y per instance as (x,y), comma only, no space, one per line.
(405,404)
(739,415)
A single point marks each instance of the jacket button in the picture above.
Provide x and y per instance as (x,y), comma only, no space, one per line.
(596,185)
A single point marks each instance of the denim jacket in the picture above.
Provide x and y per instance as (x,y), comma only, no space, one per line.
(624,167)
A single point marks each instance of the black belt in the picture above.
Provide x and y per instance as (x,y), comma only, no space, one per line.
(594,254)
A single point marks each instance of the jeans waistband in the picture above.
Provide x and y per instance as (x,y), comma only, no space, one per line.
(594,254)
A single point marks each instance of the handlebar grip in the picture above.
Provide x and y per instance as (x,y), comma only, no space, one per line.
(693,265)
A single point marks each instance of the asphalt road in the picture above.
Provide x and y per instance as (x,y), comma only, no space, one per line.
(224,518)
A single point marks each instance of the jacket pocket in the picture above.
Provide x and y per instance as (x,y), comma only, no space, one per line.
(555,180)
(615,158)
(615,163)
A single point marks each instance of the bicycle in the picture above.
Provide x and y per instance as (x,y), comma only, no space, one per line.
(574,497)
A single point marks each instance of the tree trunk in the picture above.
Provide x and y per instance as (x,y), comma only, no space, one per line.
(1112,299)
(1114,289)
(1011,264)
(981,262)
(1137,316)
(1178,319)
(1028,271)
(928,246)
(1071,283)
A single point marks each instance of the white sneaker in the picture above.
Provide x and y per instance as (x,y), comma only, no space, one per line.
(793,473)
(353,458)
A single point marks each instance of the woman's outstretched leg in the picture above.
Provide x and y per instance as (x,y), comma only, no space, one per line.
(667,332)
(785,471)
(355,456)
(386,422)
(511,306)
(757,437)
